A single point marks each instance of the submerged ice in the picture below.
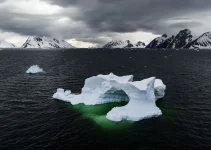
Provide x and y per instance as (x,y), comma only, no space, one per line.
(140,95)
(35,69)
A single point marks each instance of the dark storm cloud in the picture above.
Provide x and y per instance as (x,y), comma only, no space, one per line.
(95,20)
(133,15)
(186,24)
(44,25)
(25,24)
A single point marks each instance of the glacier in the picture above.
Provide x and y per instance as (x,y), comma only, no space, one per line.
(140,95)
(34,69)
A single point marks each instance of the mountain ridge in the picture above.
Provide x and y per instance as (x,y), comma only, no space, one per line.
(5,44)
(184,39)
(157,41)
(123,44)
(45,43)
(202,42)
(181,39)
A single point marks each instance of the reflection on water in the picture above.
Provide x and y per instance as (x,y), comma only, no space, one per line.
(31,119)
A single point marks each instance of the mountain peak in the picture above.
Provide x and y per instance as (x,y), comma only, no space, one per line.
(208,34)
(181,39)
(157,41)
(186,30)
(45,42)
(166,42)
(124,44)
(164,35)
(202,42)
(115,44)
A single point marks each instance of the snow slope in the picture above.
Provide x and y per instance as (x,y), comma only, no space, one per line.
(157,41)
(166,42)
(202,42)
(45,43)
(5,44)
(140,95)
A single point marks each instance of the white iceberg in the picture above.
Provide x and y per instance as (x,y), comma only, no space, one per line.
(140,95)
(35,69)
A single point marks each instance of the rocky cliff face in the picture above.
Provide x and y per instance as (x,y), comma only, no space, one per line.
(157,41)
(140,44)
(181,39)
(166,42)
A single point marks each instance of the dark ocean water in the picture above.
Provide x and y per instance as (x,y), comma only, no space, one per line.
(31,119)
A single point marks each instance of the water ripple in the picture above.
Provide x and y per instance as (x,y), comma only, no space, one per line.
(31,119)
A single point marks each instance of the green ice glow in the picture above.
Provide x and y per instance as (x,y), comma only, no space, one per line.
(165,110)
(98,114)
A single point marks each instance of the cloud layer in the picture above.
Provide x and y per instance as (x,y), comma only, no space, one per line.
(98,21)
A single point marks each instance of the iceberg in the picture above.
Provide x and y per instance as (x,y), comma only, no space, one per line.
(140,95)
(34,69)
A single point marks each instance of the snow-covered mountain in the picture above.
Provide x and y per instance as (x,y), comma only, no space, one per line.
(117,44)
(5,44)
(181,39)
(140,44)
(202,42)
(157,41)
(123,44)
(45,43)
(166,42)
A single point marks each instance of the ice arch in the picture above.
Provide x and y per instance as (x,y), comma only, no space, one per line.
(141,96)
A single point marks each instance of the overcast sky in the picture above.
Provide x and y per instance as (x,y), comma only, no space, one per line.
(89,22)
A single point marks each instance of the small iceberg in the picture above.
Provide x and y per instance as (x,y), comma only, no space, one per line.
(34,69)
(140,95)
